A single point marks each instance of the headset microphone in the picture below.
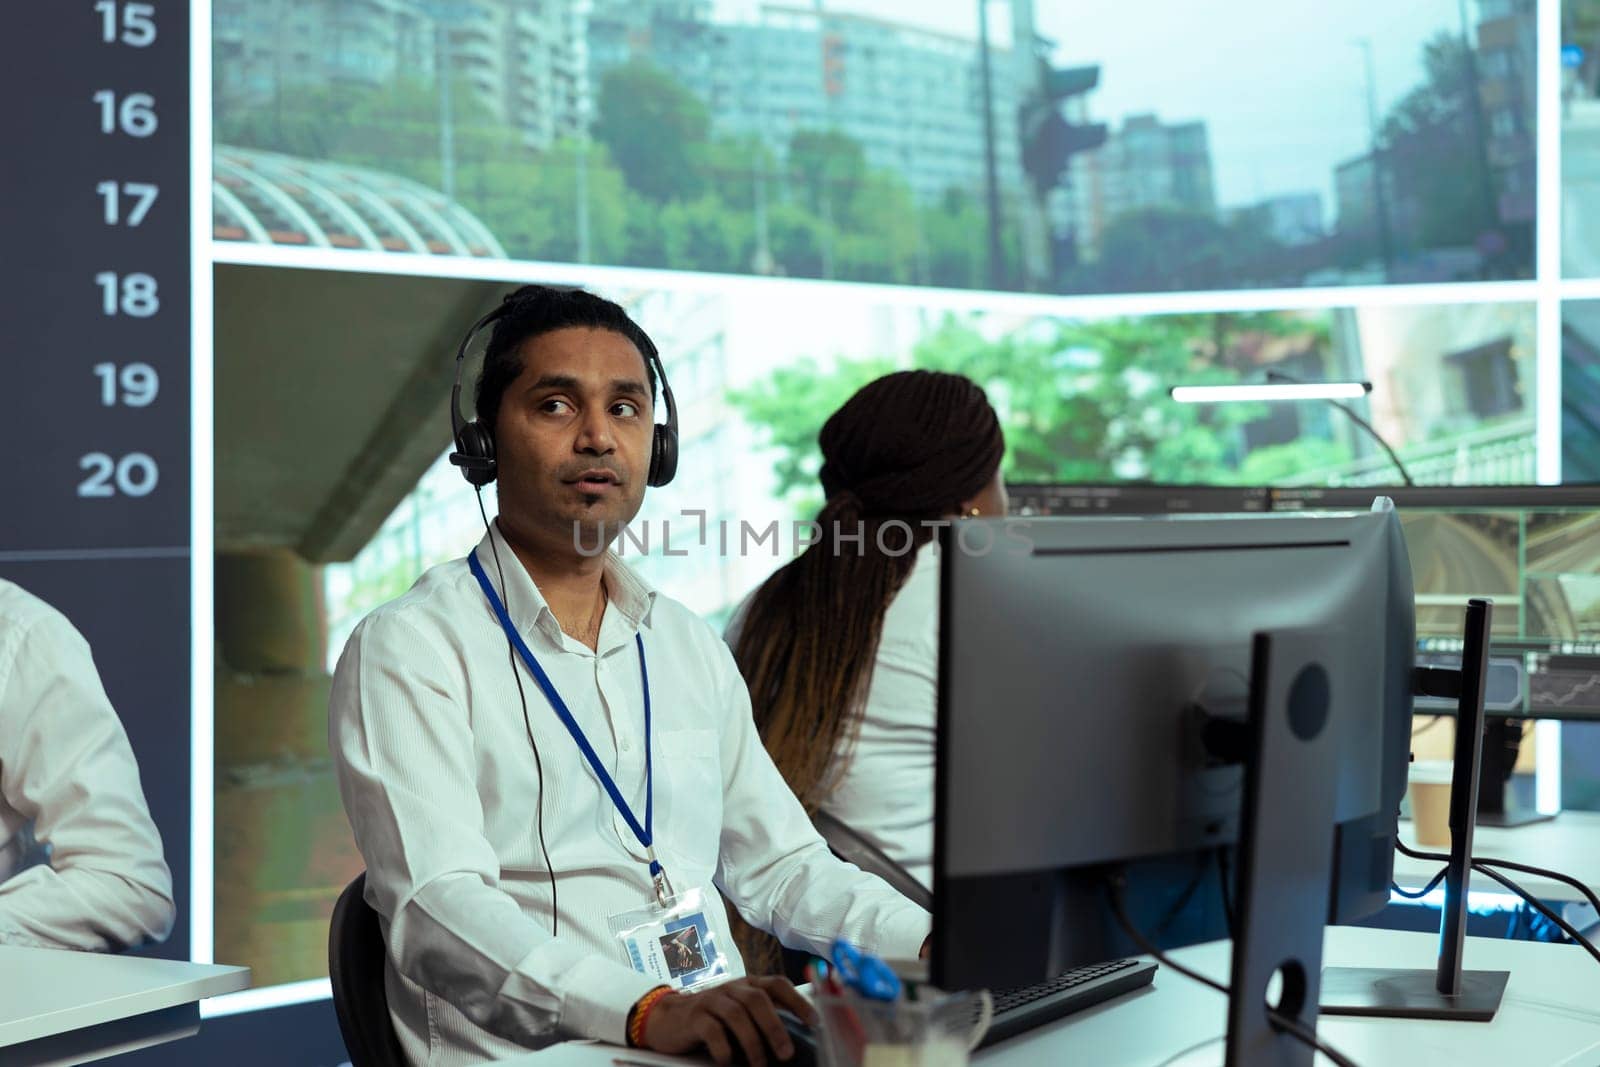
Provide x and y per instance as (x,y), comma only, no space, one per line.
(474,452)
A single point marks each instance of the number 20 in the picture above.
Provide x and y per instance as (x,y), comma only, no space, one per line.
(133,475)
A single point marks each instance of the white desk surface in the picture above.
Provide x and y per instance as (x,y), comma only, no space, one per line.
(1569,843)
(46,992)
(1550,1016)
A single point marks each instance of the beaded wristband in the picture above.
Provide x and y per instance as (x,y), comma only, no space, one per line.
(641,1012)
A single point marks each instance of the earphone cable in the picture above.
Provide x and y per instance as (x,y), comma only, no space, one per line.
(527,722)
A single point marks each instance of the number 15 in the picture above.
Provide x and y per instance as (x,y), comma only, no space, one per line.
(138,23)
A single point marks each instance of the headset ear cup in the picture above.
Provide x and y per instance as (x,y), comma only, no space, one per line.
(663,455)
(475,443)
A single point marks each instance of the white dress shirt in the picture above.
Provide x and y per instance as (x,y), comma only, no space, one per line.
(440,783)
(66,768)
(885,792)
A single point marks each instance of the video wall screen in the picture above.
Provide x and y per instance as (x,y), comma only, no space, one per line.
(1078,203)
(1251,146)
(795,199)
(1075,204)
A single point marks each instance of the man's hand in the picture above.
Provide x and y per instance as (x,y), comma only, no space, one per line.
(742,1013)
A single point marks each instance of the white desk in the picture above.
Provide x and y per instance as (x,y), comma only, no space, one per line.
(59,1008)
(1570,843)
(1550,1016)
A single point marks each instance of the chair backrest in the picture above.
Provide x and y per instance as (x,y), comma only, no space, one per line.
(850,846)
(355,968)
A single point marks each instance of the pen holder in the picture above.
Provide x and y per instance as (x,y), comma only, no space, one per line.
(936,1029)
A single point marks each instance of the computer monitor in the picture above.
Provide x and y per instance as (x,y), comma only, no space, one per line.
(1030,499)
(1072,654)
(1535,550)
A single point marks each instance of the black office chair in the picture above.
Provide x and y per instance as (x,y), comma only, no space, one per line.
(355,967)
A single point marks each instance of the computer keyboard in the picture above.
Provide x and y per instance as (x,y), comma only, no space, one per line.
(1020,1010)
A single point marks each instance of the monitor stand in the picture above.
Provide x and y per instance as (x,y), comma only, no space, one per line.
(1446,991)
(1502,738)
(1285,845)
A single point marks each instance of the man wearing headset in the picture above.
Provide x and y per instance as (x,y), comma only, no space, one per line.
(547,764)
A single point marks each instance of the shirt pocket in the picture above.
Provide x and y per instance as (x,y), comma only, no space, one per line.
(688,765)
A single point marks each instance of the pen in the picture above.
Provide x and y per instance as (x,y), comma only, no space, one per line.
(619,1062)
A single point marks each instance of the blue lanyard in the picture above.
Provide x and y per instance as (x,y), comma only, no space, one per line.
(644,833)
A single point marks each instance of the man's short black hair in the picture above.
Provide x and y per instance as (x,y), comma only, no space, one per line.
(535,310)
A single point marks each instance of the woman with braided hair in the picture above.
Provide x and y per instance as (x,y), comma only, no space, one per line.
(840,646)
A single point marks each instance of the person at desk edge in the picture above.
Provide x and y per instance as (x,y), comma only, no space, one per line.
(840,647)
(498,855)
(66,768)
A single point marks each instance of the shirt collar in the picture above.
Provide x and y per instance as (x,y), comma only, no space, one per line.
(626,591)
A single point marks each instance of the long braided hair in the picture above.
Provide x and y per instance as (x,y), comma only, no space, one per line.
(911,447)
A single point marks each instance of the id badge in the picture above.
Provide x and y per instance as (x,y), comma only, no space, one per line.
(672,941)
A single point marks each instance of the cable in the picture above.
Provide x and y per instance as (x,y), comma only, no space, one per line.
(1306,1036)
(538,764)
(1358,420)
(1287,1024)
(1437,719)
(1540,907)
(1418,894)
(1183,899)
(1404,850)
(1115,885)
(1523,868)
(1486,867)
(1225,875)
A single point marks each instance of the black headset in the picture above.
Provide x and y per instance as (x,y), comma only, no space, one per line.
(475,443)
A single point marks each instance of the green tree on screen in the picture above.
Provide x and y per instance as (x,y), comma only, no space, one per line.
(882,239)
(661,186)
(828,168)
(394,128)
(952,229)
(1432,150)
(736,164)
(791,405)
(658,131)
(1080,401)
(1174,248)
(801,243)
(526,198)
(531,205)
(703,234)
(1276,464)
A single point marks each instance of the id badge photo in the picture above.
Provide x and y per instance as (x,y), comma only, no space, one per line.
(673,941)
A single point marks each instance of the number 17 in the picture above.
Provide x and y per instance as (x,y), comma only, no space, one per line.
(143,195)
